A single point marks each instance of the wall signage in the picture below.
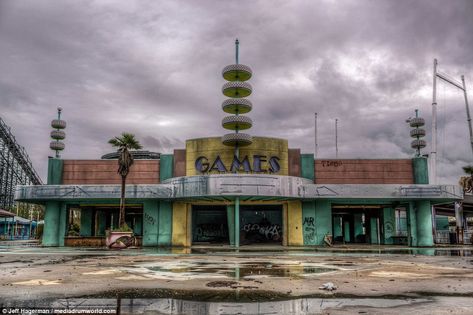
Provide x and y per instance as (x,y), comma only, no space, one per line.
(261,164)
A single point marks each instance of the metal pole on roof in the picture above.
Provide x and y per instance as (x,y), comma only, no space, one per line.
(336,138)
(468,117)
(433,153)
(316,153)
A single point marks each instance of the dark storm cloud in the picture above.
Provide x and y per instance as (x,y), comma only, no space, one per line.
(154,69)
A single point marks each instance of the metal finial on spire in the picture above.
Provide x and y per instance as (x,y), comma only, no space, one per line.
(58,134)
(236,50)
(417,133)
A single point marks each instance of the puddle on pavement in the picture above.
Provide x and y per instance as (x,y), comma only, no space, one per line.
(234,270)
(166,305)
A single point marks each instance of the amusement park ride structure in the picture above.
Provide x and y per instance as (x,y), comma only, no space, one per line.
(446,78)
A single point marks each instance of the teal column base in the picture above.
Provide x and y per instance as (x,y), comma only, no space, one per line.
(237,222)
(323,220)
(51,223)
(231,224)
(424,223)
(412,224)
(374,231)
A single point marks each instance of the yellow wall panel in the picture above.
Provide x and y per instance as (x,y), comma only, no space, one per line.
(181,224)
(294,223)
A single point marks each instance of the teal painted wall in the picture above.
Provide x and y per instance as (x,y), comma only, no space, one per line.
(150,222)
(166,167)
(424,223)
(389,225)
(421,171)
(307,166)
(374,231)
(323,220)
(52,219)
(55,167)
(309,232)
(86,216)
(231,223)
(165,223)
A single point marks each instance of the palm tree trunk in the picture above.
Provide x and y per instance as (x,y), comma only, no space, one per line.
(121,217)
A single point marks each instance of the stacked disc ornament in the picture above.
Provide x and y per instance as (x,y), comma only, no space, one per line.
(58,134)
(236,89)
(417,133)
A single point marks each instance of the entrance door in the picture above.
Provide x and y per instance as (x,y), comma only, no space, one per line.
(357,224)
(209,224)
(261,224)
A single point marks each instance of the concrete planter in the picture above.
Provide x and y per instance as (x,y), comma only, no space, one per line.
(117,239)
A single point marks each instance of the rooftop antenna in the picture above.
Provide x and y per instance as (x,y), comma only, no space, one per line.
(316,153)
(461,86)
(336,138)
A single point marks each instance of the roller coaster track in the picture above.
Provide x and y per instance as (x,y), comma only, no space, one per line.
(15,167)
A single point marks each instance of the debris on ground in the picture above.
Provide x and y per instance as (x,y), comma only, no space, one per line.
(329,286)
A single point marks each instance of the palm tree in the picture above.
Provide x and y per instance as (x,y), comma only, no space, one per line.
(124,143)
(467,182)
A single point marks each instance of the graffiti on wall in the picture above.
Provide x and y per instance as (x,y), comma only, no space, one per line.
(210,232)
(263,231)
(149,219)
(309,230)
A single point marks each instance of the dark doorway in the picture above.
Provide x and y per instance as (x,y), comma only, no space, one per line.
(261,224)
(355,224)
(209,224)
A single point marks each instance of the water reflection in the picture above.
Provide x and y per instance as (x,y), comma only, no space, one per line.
(235,270)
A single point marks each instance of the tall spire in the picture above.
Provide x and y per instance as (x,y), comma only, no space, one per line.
(237,89)
(58,134)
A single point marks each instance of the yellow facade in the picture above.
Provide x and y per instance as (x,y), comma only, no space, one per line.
(212,147)
(181,224)
(294,223)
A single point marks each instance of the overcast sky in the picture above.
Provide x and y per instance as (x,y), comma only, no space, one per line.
(153,68)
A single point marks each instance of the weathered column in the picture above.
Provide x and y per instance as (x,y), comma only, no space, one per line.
(424,223)
(237,222)
(165,223)
(323,220)
(231,224)
(412,224)
(420,168)
(51,223)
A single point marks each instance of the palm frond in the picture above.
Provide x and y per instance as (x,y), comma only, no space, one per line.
(468,169)
(126,140)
